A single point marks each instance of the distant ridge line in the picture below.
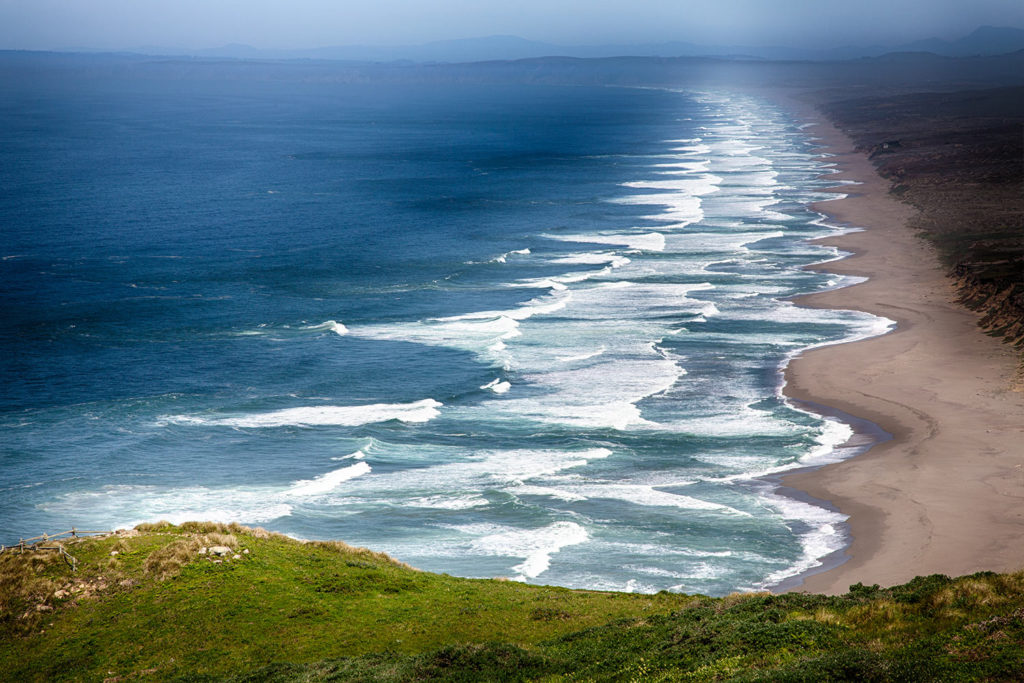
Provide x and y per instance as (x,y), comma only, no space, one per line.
(982,41)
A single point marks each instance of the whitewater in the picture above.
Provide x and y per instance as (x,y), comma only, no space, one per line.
(544,356)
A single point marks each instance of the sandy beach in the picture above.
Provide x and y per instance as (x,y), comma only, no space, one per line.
(946,494)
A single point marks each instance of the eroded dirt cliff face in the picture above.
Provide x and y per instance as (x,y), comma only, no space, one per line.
(958,158)
(999,299)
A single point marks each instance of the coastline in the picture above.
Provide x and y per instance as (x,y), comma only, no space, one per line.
(946,493)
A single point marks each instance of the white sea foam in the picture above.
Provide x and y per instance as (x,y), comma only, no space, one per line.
(328,482)
(548,492)
(472,473)
(482,332)
(871,326)
(649,241)
(328,326)
(619,415)
(554,283)
(132,505)
(444,502)
(127,506)
(636,549)
(536,546)
(507,319)
(605,332)
(498,386)
(583,356)
(284,331)
(310,416)
(515,252)
(711,242)
(823,537)
(560,283)
(679,167)
(829,438)
(834,434)
(739,421)
(690,150)
(358,455)
(680,210)
(590,258)
(601,395)
(636,494)
(690,185)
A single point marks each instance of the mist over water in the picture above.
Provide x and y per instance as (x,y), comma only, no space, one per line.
(518,331)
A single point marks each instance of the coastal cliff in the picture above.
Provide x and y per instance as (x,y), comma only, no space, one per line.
(995,290)
(958,159)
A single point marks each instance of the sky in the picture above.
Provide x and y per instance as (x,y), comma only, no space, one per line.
(276,24)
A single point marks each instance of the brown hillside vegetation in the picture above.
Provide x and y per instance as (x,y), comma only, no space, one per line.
(958,158)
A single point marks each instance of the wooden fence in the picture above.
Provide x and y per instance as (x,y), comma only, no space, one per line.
(37,543)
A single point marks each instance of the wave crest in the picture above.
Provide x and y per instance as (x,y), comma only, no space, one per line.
(316,416)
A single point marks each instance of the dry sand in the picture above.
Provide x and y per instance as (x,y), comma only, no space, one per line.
(946,494)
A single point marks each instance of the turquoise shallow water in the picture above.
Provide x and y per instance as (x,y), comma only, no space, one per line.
(520,331)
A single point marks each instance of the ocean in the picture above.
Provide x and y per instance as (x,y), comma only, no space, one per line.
(525,331)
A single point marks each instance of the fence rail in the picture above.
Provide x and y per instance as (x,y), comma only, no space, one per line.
(37,543)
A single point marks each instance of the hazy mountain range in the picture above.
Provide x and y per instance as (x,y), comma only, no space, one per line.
(986,40)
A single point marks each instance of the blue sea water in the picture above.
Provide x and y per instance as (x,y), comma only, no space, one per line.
(522,331)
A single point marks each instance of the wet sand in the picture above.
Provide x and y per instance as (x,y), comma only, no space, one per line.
(946,493)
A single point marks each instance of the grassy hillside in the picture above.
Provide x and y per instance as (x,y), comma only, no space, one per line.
(151,605)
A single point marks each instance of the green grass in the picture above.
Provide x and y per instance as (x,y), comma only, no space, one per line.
(159,610)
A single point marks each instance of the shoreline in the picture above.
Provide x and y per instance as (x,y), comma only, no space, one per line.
(946,493)
(866,435)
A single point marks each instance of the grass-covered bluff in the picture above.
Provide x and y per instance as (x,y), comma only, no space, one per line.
(149,605)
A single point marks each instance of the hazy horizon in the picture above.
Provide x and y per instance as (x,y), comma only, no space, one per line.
(308,24)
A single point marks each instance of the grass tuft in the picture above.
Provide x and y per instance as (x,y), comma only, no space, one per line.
(827,616)
(25,591)
(356,552)
(734,599)
(168,561)
(216,538)
(203,528)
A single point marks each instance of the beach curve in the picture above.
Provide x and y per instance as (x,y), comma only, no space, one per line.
(946,493)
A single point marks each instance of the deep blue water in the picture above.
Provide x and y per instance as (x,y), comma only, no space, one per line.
(513,331)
